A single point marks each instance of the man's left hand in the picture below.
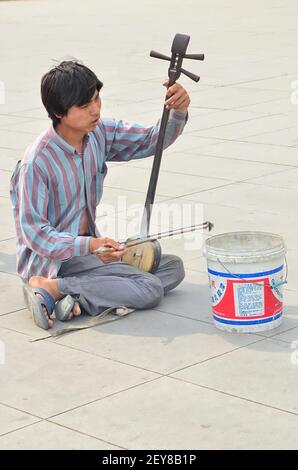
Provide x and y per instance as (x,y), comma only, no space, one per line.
(178,98)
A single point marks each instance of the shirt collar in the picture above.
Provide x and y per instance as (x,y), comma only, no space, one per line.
(66,147)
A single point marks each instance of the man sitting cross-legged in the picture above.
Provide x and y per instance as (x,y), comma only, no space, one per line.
(55,190)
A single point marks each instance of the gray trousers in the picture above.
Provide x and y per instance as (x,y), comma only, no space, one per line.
(99,286)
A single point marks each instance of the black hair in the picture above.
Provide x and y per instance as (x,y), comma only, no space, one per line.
(68,84)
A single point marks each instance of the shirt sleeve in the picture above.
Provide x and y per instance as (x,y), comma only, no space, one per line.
(131,141)
(34,226)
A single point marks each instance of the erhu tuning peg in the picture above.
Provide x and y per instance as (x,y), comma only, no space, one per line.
(157,55)
(191,75)
(194,56)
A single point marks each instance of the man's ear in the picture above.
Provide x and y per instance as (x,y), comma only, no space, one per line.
(57,116)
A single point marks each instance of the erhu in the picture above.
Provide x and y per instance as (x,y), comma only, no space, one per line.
(144,251)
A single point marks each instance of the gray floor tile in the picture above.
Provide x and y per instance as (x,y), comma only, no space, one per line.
(233,97)
(10,122)
(7,221)
(216,120)
(290,336)
(169,184)
(282,179)
(4,183)
(192,300)
(282,83)
(156,341)
(116,200)
(282,105)
(51,378)
(8,256)
(250,196)
(49,436)
(8,140)
(12,419)
(9,159)
(198,263)
(34,127)
(167,414)
(231,219)
(254,152)
(11,297)
(287,137)
(21,321)
(214,167)
(262,372)
(251,127)
(33,113)
(191,142)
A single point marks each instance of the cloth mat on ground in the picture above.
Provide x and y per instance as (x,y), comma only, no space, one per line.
(84,321)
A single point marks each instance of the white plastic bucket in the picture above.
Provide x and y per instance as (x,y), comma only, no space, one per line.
(246,274)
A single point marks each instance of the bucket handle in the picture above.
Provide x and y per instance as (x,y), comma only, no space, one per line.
(272,286)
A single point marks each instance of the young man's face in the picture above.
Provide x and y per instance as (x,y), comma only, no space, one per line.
(83,118)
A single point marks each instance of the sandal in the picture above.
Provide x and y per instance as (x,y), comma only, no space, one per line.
(63,307)
(36,305)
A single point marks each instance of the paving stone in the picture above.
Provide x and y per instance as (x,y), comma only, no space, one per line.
(287,137)
(262,372)
(251,127)
(34,127)
(290,336)
(192,300)
(214,167)
(200,122)
(251,196)
(49,436)
(284,179)
(8,256)
(254,152)
(233,97)
(52,378)
(196,418)
(157,341)
(11,297)
(4,183)
(283,83)
(12,419)
(7,222)
(10,122)
(169,184)
(8,140)
(9,159)
(283,105)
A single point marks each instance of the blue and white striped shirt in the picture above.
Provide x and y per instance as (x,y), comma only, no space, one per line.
(48,189)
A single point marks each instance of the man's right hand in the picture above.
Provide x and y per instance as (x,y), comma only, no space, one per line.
(109,256)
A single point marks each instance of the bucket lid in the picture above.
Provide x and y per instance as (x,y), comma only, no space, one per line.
(244,247)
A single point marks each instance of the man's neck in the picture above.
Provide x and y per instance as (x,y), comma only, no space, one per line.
(73,138)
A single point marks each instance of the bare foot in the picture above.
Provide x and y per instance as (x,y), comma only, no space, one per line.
(76,309)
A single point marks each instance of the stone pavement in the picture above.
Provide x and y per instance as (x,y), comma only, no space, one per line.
(164,378)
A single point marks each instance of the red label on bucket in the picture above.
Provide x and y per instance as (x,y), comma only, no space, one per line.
(246,296)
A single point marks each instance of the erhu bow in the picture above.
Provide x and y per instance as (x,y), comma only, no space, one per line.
(144,251)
